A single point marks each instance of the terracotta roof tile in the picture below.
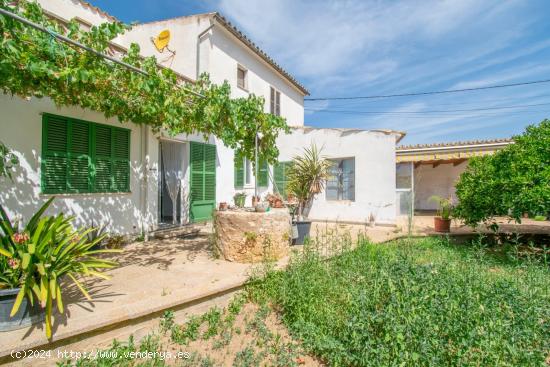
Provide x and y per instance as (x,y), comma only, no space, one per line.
(457,143)
(240,35)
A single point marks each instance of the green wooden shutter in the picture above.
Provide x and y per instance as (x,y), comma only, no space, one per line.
(238,171)
(121,160)
(81,156)
(203,180)
(78,170)
(263,173)
(55,135)
(197,169)
(209,172)
(280,175)
(103,165)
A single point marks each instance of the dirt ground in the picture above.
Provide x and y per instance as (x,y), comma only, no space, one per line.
(255,337)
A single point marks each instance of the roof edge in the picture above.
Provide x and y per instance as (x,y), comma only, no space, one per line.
(258,51)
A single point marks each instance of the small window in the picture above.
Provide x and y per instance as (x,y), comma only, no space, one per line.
(275,102)
(341,182)
(242,74)
(403,175)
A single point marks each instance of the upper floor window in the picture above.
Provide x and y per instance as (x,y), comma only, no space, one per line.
(275,102)
(242,76)
(341,181)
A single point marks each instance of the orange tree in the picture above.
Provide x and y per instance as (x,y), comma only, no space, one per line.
(513,181)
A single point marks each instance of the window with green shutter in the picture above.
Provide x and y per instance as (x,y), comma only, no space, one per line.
(82,157)
(238,171)
(280,173)
(263,174)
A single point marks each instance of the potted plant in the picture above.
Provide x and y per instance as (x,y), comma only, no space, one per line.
(442,222)
(275,201)
(239,199)
(306,178)
(34,260)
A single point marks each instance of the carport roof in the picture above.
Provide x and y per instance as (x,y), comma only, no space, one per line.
(451,152)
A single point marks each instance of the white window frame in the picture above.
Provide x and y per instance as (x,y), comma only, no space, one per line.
(274,105)
(247,172)
(245,79)
(337,199)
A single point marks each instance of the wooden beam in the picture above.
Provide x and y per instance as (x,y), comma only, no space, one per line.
(459,161)
(435,164)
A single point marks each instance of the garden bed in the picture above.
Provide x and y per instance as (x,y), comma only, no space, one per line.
(417,302)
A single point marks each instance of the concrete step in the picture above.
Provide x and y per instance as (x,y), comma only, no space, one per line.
(187,230)
(102,337)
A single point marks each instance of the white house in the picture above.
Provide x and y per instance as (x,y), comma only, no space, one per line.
(150,176)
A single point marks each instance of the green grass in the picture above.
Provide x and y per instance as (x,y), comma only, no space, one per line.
(419,302)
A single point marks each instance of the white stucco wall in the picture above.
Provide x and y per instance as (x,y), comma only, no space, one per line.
(21,131)
(439,180)
(374,154)
(69,9)
(217,53)
(227,53)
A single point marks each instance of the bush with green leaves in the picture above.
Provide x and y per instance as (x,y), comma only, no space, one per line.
(37,257)
(511,182)
(421,302)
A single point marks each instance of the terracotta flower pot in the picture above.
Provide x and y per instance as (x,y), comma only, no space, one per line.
(442,225)
(223,206)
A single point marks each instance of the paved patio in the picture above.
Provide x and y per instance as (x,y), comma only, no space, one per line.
(152,276)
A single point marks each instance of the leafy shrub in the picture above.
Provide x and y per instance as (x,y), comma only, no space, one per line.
(418,303)
(513,181)
(39,256)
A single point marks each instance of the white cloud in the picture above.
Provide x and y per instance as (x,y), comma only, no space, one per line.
(368,47)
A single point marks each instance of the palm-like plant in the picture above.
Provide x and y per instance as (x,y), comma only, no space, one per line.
(307,176)
(37,258)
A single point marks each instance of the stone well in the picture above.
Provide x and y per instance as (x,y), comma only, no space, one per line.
(247,237)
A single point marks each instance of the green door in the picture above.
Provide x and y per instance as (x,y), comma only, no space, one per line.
(203,181)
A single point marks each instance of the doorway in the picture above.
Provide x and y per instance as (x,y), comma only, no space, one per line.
(171,182)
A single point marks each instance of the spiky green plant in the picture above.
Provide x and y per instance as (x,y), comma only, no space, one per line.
(445,206)
(307,176)
(36,258)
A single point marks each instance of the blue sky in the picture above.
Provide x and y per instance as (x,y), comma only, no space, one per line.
(362,47)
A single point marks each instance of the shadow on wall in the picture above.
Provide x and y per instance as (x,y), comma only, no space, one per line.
(120,213)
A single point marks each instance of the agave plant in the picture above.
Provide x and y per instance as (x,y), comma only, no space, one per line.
(307,176)
(36,258)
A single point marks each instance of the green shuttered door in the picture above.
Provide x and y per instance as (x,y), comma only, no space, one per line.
(82,157)
(203,181)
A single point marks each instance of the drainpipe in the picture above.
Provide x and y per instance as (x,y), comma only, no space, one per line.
(145,181)
(199,41)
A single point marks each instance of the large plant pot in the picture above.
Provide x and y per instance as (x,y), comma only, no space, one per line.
(442,225)
(25,316)
(303,228)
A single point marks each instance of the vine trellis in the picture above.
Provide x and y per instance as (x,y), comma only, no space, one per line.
(35,64)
